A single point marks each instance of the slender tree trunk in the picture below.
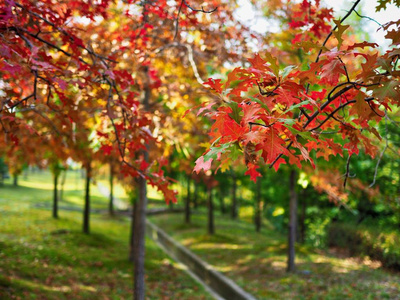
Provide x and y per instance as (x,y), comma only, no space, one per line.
(86,212)
(258,206)
(139,240)
(221,201)
(302,221)
(195,196)
(140,213)
(132,233)
(15,180)
(234,208)
(55,196)
(111,203)
(187,203)
(292,222)
(210,206)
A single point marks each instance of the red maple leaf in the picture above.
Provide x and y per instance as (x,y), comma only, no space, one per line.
(215,84)
(252,171)
(231,131)
(273,146)
(331,71)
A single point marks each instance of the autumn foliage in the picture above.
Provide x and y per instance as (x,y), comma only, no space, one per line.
(326,101)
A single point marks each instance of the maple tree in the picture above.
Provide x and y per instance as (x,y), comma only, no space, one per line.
(328,104)
(94,75)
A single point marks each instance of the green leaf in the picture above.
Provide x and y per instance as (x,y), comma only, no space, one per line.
(235,114)
(235,152)
(297,105)
(286,71)
(287,121)
(304,134)
(214,151)
(263,105)
(273,61)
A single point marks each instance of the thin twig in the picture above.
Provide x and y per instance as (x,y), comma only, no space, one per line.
(334,28)
(177,20)
(381,155)
(347,174)
(366,17)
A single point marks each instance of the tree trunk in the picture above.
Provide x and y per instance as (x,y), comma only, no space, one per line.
(139,241)
(86,212)
(221,201)
(55,196)
(258,206)
(195,196)
(302,221)
(111,203)
(15,180)
(234,208)
(292,222)
(132,233)
(140,212)
(210,206)
(187,203)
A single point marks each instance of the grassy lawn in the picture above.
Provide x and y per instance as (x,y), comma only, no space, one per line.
(257,262)
(43,258)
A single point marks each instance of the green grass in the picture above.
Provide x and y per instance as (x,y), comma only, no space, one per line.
(44,258)
(257,262)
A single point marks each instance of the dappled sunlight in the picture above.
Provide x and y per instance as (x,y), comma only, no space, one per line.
(34,285)
(63,289)
(38,185)
(278,264)
(220,246)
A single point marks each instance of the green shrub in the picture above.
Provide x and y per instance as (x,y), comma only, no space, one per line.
(378,245)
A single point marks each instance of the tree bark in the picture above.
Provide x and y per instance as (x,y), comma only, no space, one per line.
(195,195)
(258,206)
(15,180)
(302,221)
(55,196)
(210,206)
(292,222)
(111,203)
(132,233)
(187,203)
(86,211)
(234,208)
(140,213)
(139,241)
(221,201)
